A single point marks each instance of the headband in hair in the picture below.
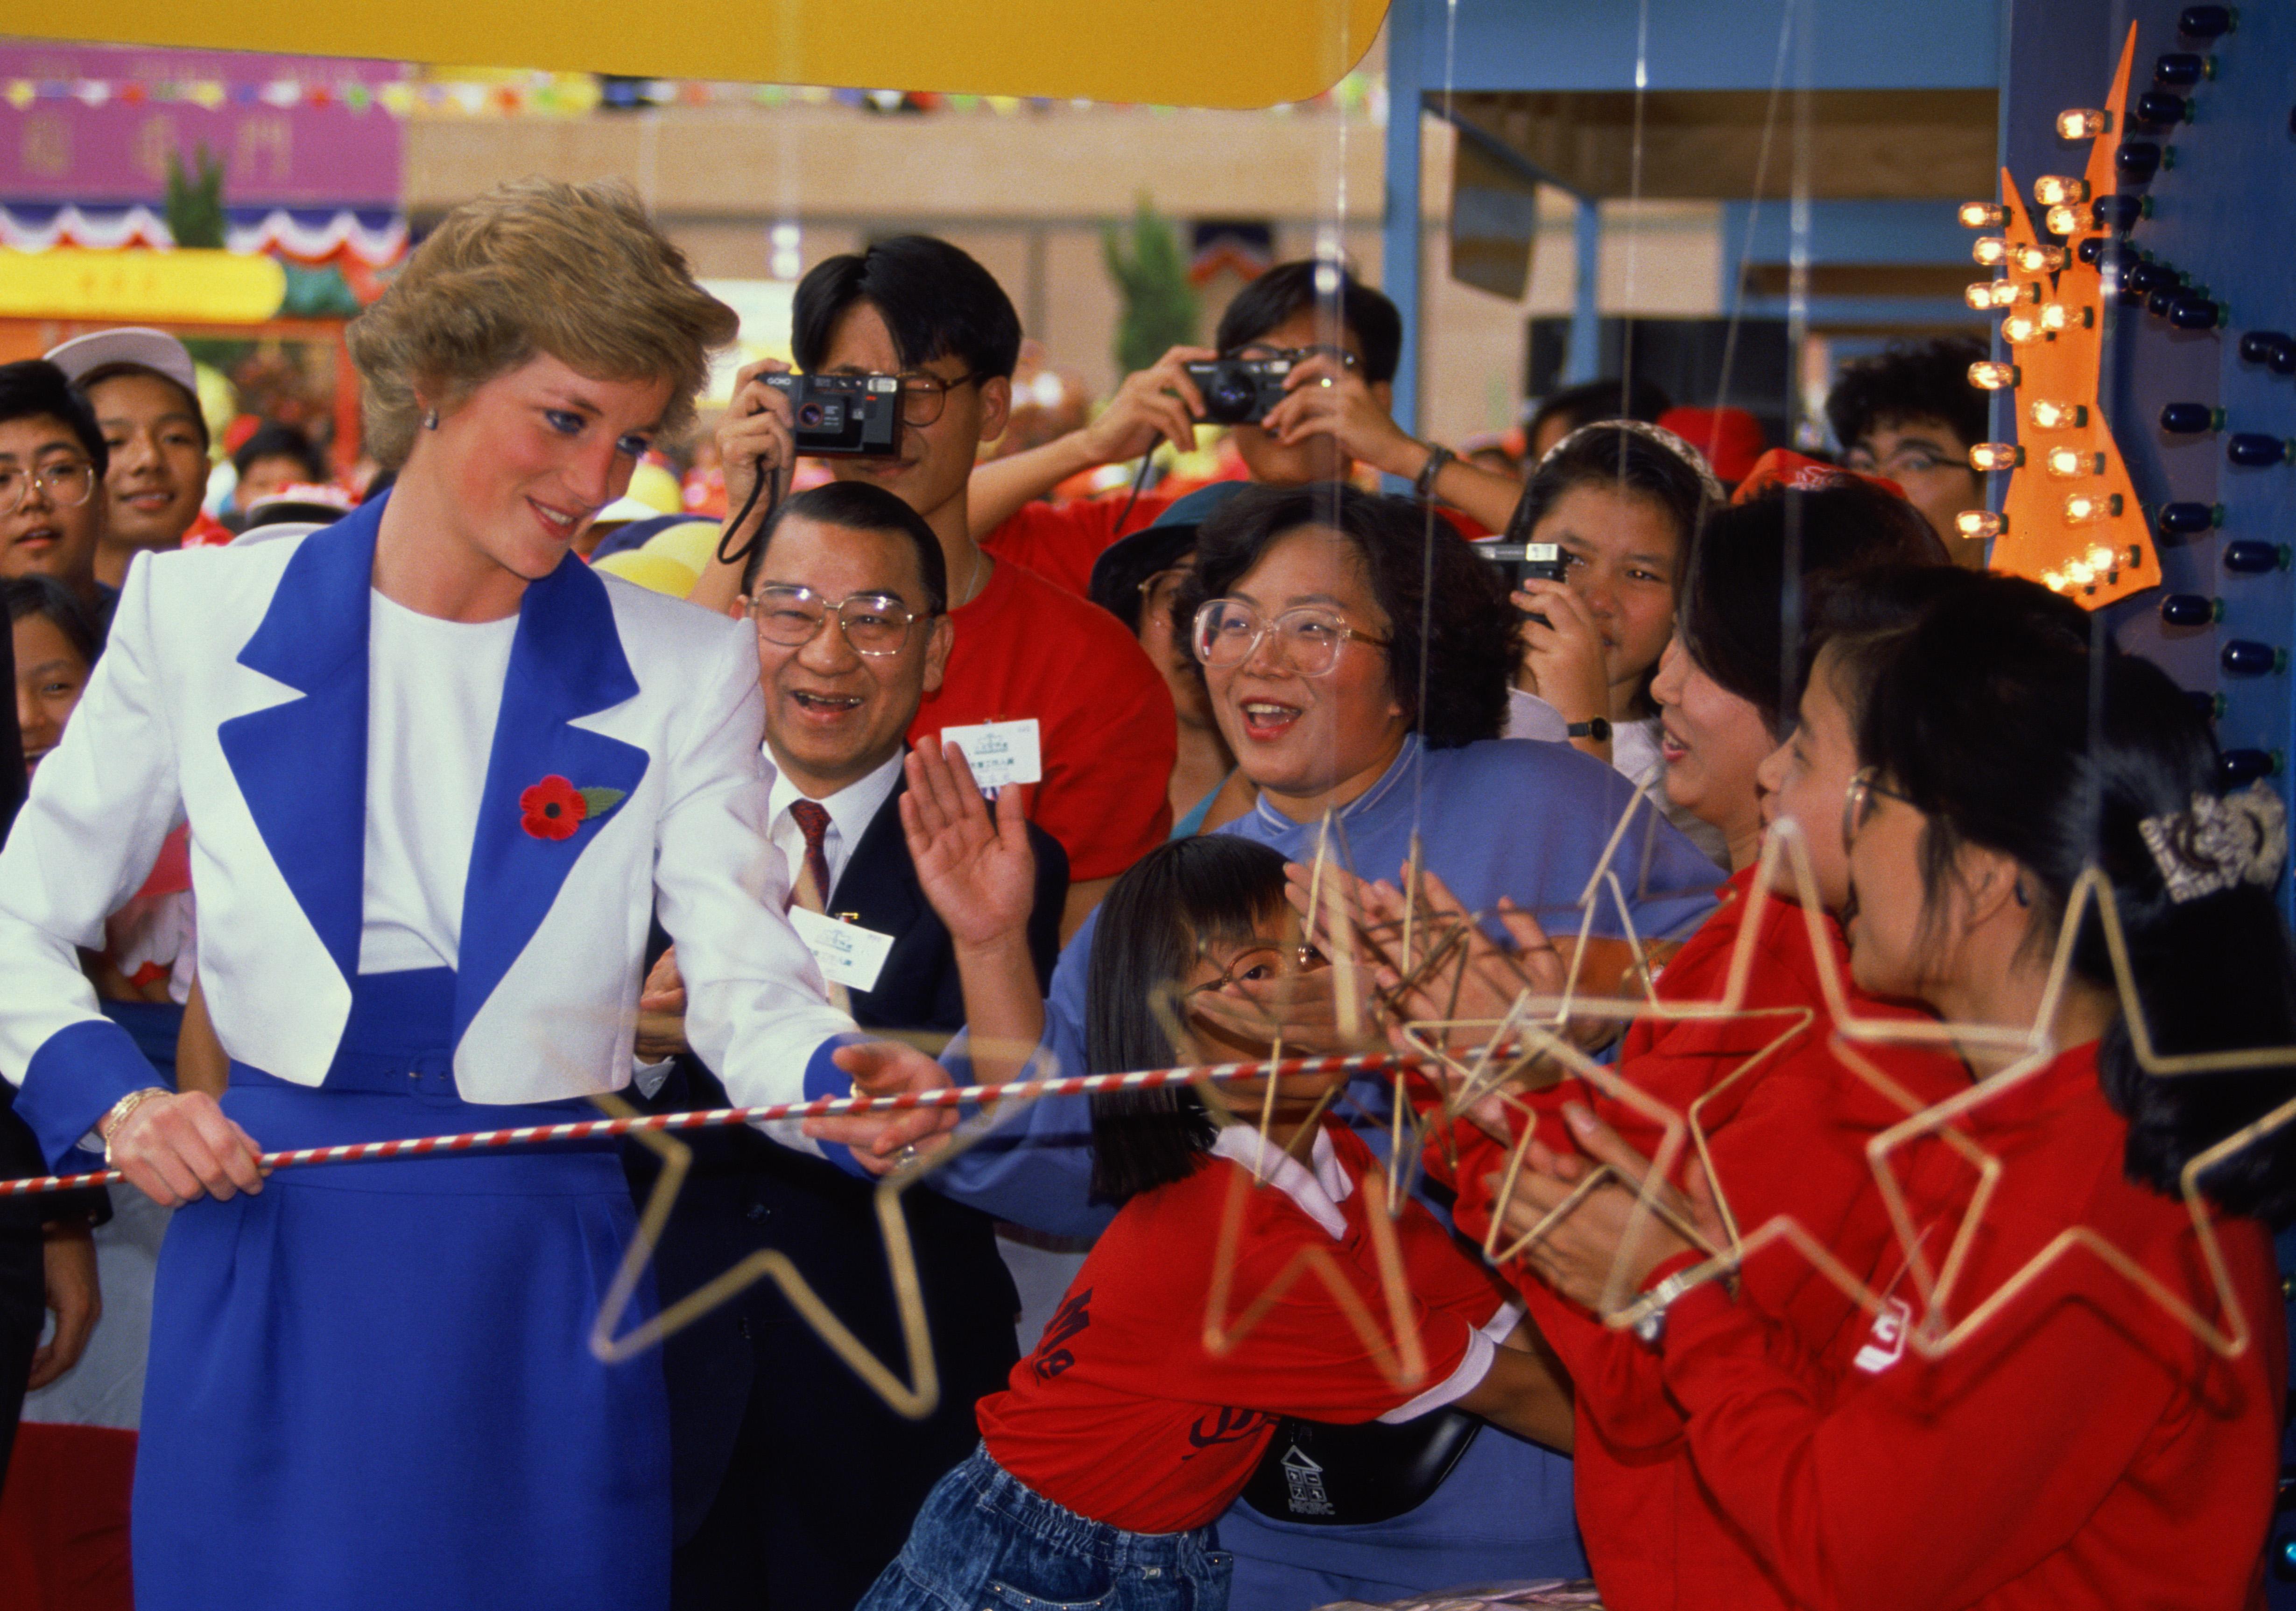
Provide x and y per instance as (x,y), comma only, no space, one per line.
(1709,487)
(2220,841)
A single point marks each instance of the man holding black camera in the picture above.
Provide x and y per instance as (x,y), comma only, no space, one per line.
(1036,674)
(1307,336)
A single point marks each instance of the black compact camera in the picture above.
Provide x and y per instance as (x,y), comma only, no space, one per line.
(843,415)
(1239,392)
(1518,562)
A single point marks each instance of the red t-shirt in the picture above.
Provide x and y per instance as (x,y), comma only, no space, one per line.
(1104,720)
(1655,1537)
(1061,541)
(2081,1450)
(1123,1415)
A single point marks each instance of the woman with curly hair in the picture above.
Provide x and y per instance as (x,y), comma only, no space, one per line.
(1360,675)
(437,772)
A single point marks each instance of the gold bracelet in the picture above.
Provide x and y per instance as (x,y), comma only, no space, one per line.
(108,1125)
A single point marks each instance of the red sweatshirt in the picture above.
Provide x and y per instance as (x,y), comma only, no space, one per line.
(1784,1138)
(1122,1415)
(2081,1450)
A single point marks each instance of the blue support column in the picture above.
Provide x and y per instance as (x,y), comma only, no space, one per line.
(1584,359)
(1399,225)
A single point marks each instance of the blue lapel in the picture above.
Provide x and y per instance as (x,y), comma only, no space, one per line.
(566,663)
(302,765)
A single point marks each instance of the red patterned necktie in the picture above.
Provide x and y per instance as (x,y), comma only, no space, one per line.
(813,822)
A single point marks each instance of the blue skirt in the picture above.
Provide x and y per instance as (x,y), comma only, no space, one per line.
(370,1384)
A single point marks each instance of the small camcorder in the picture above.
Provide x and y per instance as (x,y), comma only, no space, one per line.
(1239,392)
(1518,562)
(843,415)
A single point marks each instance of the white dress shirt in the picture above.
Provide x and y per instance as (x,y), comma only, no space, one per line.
(850,811)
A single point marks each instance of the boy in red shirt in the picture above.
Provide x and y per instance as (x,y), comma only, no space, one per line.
(1026,651)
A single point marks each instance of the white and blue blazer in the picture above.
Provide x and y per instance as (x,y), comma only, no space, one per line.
(233,694)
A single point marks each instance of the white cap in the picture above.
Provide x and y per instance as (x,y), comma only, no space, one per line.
(140,345)
(624,510)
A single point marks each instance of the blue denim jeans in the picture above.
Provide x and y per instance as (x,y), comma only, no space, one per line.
(984,1541)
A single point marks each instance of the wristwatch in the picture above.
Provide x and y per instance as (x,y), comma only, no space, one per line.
(1598,730)
(1651,1326)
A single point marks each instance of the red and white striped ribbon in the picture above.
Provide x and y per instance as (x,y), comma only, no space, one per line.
(822,1107)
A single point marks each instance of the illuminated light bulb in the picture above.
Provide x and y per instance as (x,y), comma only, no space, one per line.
(1983,215)
(2038,260)
(2083,123)
(2069,463)
(2019,328)
(1991,251)
(1981,525)
(2055,317)
(2101,558)
(2064,221)
(1996,456)
(1990,376)
(2053,581)
(2049,414)
(2081,573)
(2056,189)
(1979,295)
(2091,508)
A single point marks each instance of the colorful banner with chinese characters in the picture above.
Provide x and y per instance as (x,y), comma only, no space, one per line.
(94,125)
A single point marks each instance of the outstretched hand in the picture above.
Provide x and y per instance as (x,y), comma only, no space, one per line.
(886,1068)
(975,867)
(1578,1253)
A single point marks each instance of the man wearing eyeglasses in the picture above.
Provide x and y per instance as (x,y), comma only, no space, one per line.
(793,1484)
(1025,650)
(1912,415)
(1346,342)
(52,461)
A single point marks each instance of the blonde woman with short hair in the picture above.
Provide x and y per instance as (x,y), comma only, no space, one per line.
(437,772)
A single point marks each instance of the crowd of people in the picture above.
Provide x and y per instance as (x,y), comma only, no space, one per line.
(415,817)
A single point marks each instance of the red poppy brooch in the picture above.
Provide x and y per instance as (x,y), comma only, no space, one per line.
(555,807)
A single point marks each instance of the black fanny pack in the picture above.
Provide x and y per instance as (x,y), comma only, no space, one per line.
(1327,1475)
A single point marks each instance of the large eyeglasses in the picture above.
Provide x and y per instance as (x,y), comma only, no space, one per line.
(1260,352)
(1262,962)
(64,485)
(1857,801)
(875,624)
(1227,632)
(924,396)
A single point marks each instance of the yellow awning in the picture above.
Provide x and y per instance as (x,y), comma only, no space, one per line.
(1174,53)
(155,287)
